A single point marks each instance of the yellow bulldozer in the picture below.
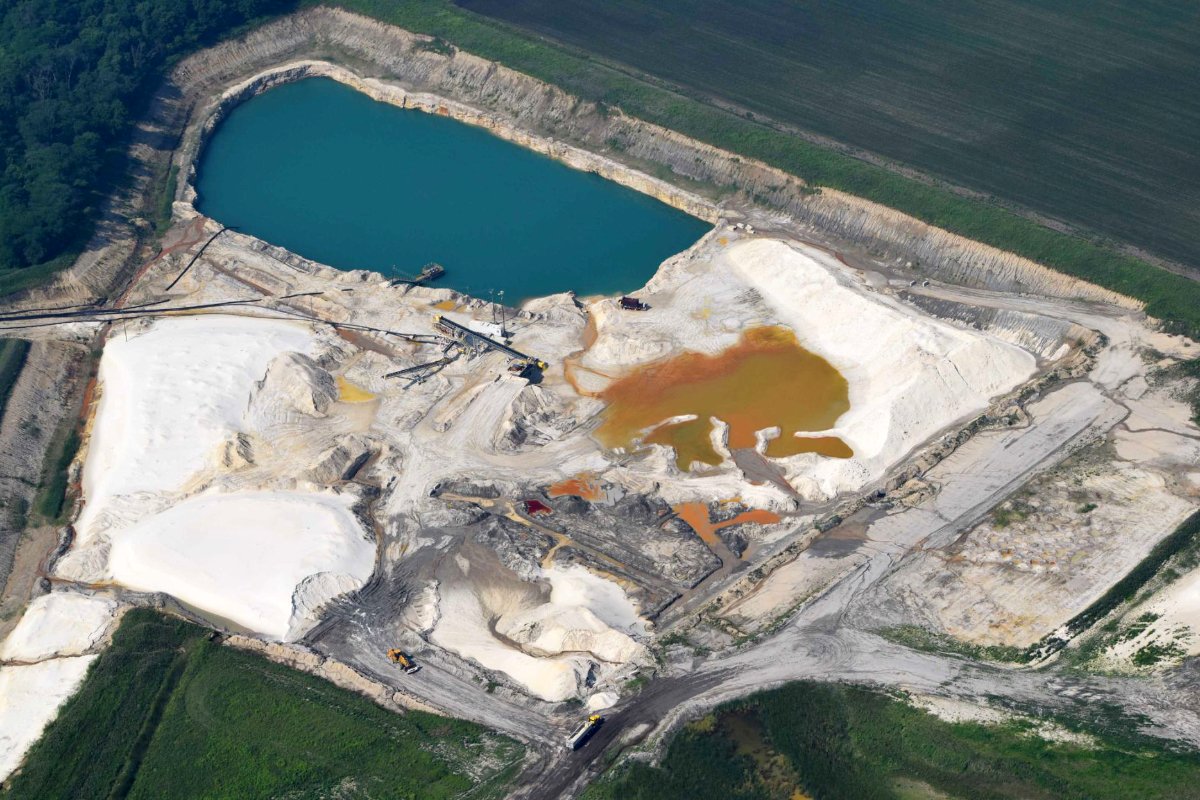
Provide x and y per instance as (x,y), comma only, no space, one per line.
(403,660)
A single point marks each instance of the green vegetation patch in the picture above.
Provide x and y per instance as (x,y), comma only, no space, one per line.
(166,199)
(919,638)
(827,742)
(1180,541)
(691,111)
(12,358)
(167,713)
(51,499)
(73,78)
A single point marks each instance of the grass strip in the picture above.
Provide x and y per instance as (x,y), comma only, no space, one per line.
(12,358)
(1181,538)
(51,498)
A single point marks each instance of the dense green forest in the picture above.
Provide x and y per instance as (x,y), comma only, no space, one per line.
(843,743)
(74,75)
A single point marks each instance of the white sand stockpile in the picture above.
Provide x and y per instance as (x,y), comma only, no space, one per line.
(260,559)
(29,700)
(547,643)
(171,396)
(909,375)
(177,398)
(59,624)
(46,661)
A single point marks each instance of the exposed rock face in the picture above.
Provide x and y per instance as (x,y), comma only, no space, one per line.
(313,593)
(1046,336)
(237,452)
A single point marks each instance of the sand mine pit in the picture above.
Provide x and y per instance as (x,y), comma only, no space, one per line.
(255,469)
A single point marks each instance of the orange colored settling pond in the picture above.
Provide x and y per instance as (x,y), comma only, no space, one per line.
(696,515)
(765,380)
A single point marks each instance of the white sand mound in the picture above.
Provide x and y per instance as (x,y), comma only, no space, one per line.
(249,557)
(293,383)
(59,624)
(171,397)
(184,402)
(909,375)
(550,630)
(547,644)
(602,700)
(574,586)
(30,697)
(463,629)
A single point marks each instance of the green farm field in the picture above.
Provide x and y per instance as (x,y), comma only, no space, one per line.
(1086,112)
(167,713)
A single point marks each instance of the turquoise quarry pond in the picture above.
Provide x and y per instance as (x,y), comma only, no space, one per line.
(328,173)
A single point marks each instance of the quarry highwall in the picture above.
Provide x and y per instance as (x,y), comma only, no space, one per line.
(396,66)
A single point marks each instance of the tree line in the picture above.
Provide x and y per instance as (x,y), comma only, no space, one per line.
(74,76)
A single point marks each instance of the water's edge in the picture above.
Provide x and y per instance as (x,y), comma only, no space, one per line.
(571,156)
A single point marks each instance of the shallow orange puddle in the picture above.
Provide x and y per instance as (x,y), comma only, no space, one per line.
(765,380)
(446,305)
(585,486)
(696,515)
(352,393)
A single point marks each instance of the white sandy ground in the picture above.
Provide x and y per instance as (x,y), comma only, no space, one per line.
(30,697)
(59,624)
(178,397)
(546,647)
(254,557)
(46,655)
(170,397)
(959,711)
(909,375)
